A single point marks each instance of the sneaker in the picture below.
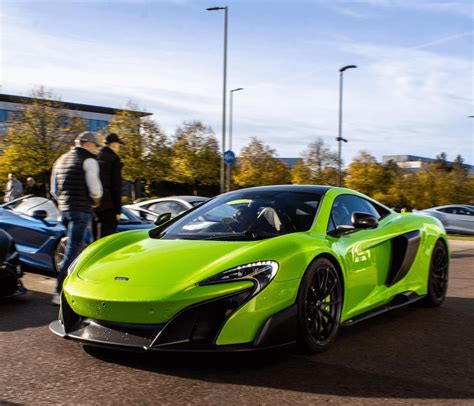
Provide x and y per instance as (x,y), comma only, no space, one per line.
(56,300)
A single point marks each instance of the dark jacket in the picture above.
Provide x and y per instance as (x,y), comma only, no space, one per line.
(72,191)
(111,178)
(34,190)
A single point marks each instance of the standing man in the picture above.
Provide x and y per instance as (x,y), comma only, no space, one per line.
(14,188)
(32,188)
(108,213)
(75,184)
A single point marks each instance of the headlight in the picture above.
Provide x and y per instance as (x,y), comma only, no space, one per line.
(261,273)
(71,267)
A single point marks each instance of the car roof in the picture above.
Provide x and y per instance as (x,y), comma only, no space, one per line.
(191,198)
(187,199)
(317,189)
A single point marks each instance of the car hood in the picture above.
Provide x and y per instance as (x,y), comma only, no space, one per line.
(173,263)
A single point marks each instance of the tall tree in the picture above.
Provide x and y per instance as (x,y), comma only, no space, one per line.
(157,154)
(127,125)
(365,175)
(146,153)
(195,155)
(259,165)
(318,165)
(37,135)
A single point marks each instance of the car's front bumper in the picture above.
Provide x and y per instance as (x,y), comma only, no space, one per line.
(196,328)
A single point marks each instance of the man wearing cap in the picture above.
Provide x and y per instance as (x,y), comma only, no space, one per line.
(76,186)
(108,213)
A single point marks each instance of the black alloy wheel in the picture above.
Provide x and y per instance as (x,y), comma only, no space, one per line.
(319,306)
(438,276)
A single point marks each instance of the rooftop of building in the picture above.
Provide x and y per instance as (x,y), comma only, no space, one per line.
(415,158)
(9,98)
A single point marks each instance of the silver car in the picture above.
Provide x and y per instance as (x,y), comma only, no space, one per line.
(150,209)
(456,219)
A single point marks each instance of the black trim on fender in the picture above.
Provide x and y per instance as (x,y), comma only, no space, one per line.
(279,329)
(404,249)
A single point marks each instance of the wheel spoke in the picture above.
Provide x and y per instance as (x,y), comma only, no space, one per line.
(328,315)
(311,291)
(325,326)
(324,282)
(329,291)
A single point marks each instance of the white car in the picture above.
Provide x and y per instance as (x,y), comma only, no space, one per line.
(151,209)
(456,218)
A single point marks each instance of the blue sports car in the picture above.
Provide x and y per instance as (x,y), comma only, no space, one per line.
(34,223)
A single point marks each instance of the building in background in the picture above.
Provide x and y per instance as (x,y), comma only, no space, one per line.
(96,117)
(290,162)
(413,163)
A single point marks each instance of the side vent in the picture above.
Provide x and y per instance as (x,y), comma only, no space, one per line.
(404,249)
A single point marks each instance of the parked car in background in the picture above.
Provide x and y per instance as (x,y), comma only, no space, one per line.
(174,205)
(34,223)
(10,269)
(456,219)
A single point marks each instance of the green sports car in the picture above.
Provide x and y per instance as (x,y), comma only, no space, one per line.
(254,268)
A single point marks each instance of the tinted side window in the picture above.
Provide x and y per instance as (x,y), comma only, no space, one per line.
(446,210)
(463,211)
(345,205)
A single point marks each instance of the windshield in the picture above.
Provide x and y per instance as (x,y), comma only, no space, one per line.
(127,217)
(247,215)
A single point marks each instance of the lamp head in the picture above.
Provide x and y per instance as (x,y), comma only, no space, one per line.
(347,67)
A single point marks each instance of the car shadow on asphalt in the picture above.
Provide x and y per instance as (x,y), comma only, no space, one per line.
(30,310)
(416,353)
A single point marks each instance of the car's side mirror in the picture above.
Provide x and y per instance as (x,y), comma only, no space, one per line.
(39,214)
(364,220)
(162,218)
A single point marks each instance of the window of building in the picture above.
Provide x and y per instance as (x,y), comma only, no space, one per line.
(96,125)
(5,115)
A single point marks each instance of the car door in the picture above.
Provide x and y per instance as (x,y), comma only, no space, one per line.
(366,253)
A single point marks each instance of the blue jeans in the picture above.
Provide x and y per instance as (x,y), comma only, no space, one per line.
(77,224)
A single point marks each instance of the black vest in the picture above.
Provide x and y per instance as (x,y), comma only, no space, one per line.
(71,186)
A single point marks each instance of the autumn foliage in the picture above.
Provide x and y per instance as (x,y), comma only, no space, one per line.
(43,130)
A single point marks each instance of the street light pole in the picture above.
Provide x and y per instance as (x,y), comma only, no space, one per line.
(224,92)
(339,138)
(231,110)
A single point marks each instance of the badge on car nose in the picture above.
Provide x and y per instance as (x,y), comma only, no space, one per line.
(121,278)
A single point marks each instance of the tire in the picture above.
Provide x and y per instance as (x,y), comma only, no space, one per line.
(59,253)
(437,276)
(319,306)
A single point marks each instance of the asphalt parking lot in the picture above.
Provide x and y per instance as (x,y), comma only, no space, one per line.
(413,355)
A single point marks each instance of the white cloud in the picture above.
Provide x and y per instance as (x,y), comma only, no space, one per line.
(400,100)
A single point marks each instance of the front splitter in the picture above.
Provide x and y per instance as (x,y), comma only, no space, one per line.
(99,336)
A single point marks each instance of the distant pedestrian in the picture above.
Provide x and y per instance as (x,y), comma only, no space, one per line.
(76,186)
(32,188)
(14,188)
(108,213)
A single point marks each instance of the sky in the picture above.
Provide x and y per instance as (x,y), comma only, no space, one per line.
(412,92)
